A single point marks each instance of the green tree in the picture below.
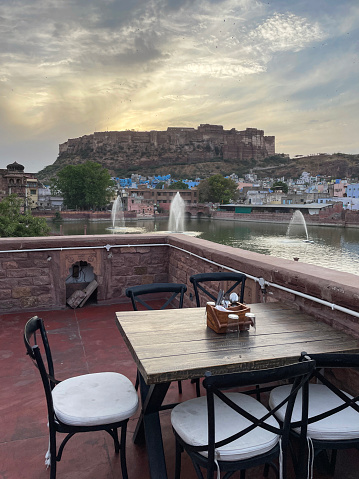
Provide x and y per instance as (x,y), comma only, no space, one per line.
(217,189)
(14,223)
(85,186)
(280,185)
(178,185)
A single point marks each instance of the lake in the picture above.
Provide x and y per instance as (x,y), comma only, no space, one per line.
(336,248)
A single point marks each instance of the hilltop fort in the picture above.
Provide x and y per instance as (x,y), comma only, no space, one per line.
(195,150)
(202,143)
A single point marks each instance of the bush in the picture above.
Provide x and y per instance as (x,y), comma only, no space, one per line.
(14,223)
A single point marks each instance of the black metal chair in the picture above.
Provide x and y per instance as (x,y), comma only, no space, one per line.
(90,402)
(231,431)
(137,294)
(235,279)
(333,414)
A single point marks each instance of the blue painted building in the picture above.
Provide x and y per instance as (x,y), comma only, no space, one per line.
(353,190)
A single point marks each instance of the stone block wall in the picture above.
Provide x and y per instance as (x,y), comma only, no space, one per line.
(36,279)
(326,217)
(329,285)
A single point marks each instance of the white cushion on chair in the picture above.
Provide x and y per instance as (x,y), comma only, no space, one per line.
(340,426)
(189,419)
(94,399)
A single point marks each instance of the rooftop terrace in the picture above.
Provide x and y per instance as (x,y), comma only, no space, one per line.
(86,340)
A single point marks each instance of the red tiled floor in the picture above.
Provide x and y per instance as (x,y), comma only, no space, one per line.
(83,340)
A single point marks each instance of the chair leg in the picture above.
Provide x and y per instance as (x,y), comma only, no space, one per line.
(53,454)
(137,381)
(333,460)
(179,387)
(197,383)
(115,440)
(267,466)
(243,474)
(179,450)
(123,451)
(198,390)
(53,470)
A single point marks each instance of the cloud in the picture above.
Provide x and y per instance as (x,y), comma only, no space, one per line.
(283,32)
(72,67)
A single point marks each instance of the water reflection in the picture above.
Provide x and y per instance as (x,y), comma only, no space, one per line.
(336,248)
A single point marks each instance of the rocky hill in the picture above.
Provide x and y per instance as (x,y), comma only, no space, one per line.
(192,153)
(338,165)
(181,152)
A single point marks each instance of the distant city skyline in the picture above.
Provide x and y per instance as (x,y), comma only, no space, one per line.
(69,69)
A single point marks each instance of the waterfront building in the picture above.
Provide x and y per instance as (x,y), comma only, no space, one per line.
(48,201)
(14,180)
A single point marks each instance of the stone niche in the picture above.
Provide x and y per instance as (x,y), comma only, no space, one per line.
(79,269)
(80,276)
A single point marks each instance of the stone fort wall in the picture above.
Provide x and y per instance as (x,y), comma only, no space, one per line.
(226,144)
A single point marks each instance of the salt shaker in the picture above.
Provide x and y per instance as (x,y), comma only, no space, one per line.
(251,317)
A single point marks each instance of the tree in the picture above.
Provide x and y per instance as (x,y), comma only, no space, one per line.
(178,185)
(280,185)
(217,189)
(14,223)
(85,186)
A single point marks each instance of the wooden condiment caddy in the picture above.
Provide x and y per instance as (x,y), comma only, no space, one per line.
(218,320)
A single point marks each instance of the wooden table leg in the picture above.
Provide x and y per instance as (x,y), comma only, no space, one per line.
(149,427)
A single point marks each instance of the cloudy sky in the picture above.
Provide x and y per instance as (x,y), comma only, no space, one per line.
(72,67)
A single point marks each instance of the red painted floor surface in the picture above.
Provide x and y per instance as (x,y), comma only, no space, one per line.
(83,341)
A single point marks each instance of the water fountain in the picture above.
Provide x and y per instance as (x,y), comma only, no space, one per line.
(118,219)
(176,220)
(297,226)
(117,213)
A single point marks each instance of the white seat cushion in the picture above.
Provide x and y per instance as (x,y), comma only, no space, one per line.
(94,399)
(189,419)
(340,426)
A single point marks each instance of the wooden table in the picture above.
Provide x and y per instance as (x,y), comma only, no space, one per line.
(175,344)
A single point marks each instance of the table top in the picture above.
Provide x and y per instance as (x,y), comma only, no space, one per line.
(174,344)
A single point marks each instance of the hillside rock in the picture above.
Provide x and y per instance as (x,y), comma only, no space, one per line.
(191,153)
(184,149)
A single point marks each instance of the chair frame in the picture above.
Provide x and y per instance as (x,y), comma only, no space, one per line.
(175,288)
(197,279)
(143,289)
(33,326)
(299,372)
(333,360)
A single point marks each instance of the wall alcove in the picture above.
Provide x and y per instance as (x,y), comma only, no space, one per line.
(81,285)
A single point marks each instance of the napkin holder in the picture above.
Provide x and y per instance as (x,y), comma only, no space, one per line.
(218,320)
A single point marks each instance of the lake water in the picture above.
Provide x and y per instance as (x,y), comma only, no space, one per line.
(336,248)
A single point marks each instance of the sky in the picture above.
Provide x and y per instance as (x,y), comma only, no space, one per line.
(69,68)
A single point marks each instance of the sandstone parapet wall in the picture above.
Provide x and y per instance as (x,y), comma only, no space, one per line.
(33,272)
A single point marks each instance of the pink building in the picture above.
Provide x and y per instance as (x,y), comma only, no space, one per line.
(140,206)
(242,185)
(340,189)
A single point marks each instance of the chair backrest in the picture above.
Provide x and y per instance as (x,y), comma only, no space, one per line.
(235,279)
(300,373)
(35,330)
(136,294)
(334,360)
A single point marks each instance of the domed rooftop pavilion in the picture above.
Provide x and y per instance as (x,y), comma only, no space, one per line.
(15,167)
